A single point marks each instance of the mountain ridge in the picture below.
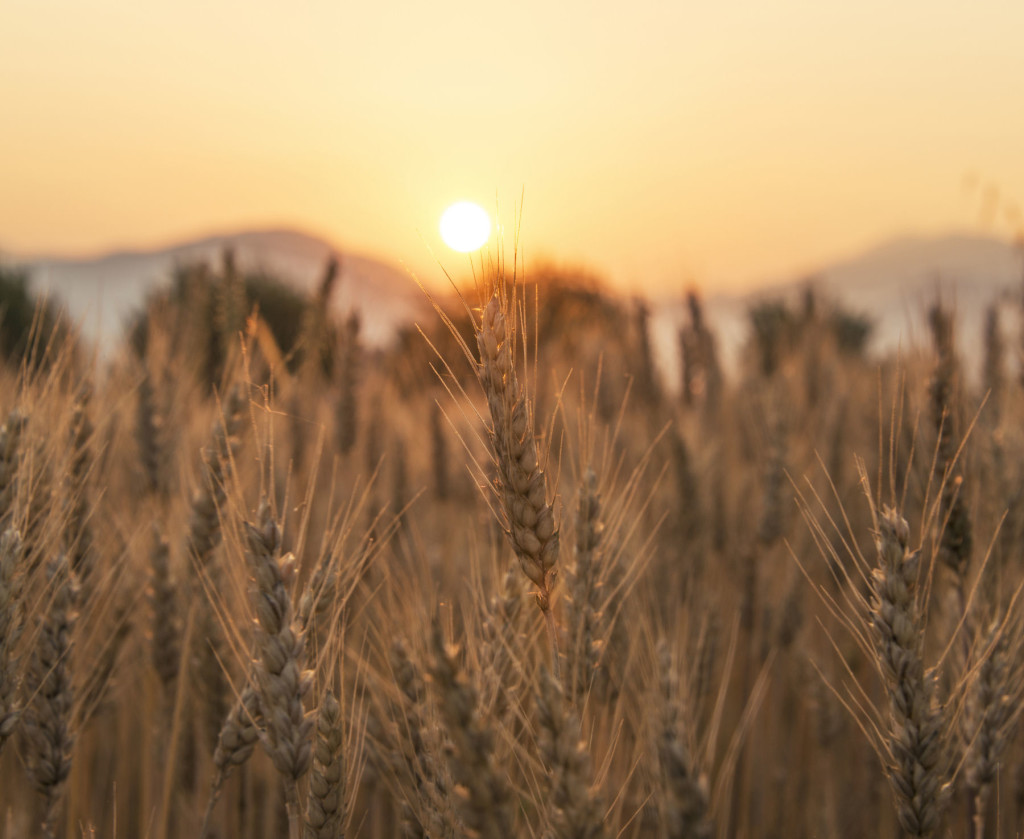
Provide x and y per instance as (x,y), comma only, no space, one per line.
(892,282)
(103,291)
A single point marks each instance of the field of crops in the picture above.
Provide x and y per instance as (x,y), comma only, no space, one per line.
(503,579)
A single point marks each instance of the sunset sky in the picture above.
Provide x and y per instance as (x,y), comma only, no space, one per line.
(655,142)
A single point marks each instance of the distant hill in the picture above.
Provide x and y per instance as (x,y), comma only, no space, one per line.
(897,282)
(102,293)
(893,284)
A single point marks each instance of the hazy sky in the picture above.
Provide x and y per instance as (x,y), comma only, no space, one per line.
(655,142)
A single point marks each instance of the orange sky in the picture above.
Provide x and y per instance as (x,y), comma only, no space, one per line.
(654,141)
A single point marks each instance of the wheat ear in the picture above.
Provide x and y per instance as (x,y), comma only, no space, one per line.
(576,812)
(583,611)
(325,809)
(993,705)
(915,747)
(48,682)
(235,744)
(429,811)
(10,456)
(486,799)
(685,798)
(11,625)
(280,679)
(165,640)
(149,438)
(529,519)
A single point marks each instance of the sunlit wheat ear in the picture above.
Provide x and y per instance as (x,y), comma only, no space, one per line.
(12,620)
(915,745)
(281,681)
(487,801)
(575,809)
(685,800)
(325,809)
(522,491)
(48,714)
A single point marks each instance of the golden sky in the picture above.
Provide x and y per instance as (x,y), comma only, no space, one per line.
(655,142)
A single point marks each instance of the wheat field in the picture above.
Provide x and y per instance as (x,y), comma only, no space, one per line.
(503,579)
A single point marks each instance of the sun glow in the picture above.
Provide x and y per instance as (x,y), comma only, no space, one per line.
(465,226)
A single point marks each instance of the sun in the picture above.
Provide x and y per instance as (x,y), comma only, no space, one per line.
(465,226)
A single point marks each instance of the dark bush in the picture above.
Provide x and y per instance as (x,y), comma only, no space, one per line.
(31,329)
